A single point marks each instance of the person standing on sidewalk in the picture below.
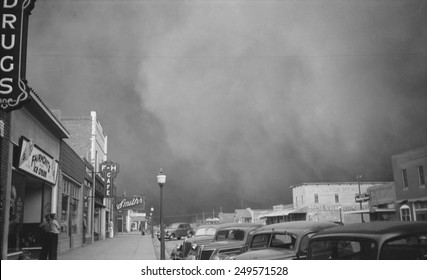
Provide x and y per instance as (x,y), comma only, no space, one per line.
(54,228)
(45,226)
(111,228)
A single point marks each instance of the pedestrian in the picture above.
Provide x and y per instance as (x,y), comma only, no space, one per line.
(54,228)
(141,228)
(111,228)
(45,238)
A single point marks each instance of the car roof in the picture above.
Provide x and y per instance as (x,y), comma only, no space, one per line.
(226,225)
(296,226)
(375,230)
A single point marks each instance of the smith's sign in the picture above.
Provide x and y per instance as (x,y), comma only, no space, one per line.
(131,202)
(14,25)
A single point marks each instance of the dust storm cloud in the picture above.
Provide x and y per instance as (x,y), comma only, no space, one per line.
(237,100)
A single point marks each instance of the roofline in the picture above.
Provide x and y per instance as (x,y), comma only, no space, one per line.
(47,112)
(339,183)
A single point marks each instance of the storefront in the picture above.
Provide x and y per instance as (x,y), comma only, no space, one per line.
(70,199)
(35,143)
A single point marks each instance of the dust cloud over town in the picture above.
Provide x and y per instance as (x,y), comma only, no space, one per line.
(237,100)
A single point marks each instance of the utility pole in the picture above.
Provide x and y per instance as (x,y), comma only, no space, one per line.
(360,202)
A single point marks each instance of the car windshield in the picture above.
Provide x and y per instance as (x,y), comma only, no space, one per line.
(273,240)
(230,234)
(345,249)
(174,225)
(205,231)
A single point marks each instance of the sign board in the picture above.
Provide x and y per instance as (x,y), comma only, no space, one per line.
(131,203)
(14,90)
(109,170)
(37,162)
(361,197)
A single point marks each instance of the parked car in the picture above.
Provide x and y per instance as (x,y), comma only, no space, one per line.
(203,235)
(176,230)
(229,242)
(282,241)
(370,241)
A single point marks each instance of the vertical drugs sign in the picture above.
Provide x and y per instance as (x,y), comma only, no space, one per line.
(14,90)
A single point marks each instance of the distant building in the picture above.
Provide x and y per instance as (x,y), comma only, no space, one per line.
(332,201)
(242,216)
(382,199)
(409,172)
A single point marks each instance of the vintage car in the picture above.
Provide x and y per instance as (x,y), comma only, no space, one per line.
(371,241)
(203,235)
(177,230)
(229,242)
(282,241)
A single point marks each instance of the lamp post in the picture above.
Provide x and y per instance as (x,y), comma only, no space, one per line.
(360,203)
(151,219)
(161,180)
(340,209)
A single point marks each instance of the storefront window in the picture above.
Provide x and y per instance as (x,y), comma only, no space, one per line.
(70,205)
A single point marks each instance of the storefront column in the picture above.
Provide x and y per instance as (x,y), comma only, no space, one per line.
(6,206)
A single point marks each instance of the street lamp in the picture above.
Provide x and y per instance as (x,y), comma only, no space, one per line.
(360,202)
(151,219)
(161,180)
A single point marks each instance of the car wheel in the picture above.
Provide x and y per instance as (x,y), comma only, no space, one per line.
(172,236)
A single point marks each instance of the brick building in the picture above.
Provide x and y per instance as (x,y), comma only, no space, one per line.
(409,172)
(89,141)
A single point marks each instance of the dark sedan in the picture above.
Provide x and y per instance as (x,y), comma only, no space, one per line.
(230,242)
(282,241)
(370,241)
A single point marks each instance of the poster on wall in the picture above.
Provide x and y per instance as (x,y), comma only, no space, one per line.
(37,162)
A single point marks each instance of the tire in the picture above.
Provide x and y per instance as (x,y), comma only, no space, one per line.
(179,238)
(172,236)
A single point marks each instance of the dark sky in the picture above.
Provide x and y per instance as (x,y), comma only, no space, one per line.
(237,100)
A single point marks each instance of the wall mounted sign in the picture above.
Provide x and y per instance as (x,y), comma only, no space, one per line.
(109,171)
(37,162)
(14,90)
(131,203)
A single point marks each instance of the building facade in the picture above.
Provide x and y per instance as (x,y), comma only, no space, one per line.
(29,173)
(409,172)
(332,201)
(89,141)
(70,199)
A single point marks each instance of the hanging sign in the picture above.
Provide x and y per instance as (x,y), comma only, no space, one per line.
(14,90)
(109,170)
(37,162)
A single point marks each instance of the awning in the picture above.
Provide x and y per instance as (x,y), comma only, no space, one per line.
(376,210)
(284,212)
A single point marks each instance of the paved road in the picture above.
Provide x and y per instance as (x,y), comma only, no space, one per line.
(124,246)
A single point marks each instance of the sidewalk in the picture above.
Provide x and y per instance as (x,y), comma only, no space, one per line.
(124,246)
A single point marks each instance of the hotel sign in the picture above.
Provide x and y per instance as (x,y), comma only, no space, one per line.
(36,162)
(14,90)
(131,203)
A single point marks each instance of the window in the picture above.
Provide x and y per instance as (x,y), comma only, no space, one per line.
(405,178)
(421,175)
(316,198)
(404,213)
(296,201)
(337,198)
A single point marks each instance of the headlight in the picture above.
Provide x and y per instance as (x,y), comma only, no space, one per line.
(194,246)
(179,246)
